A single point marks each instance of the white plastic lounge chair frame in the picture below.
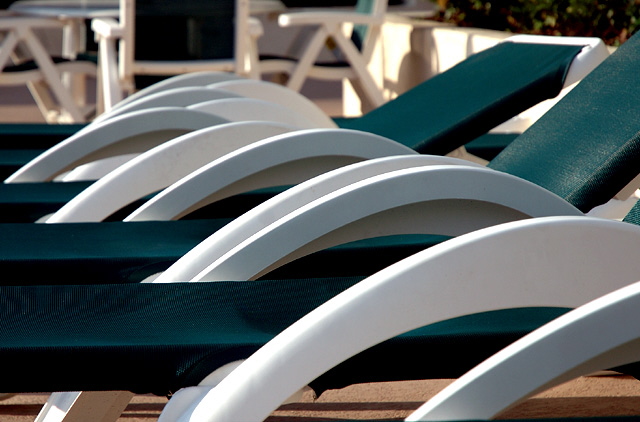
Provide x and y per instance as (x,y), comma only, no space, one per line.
(246,88)
(591,56)
(136,132)
(64,106)
(459,277)
(600,334)
(270,211)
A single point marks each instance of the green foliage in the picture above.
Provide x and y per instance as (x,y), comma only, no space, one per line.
(612,20)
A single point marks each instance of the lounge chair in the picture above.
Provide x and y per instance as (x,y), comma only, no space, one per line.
(531,235)
(437,135)
(31,139)
(296,108)
(504,274)
(139,130)
(201,79)
(530,241)
(42,74)
(197,188)
(148,128)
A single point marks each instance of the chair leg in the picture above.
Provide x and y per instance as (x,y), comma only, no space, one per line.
(299,74)
(111,90)
(365,103)
(52,76)
(359,66)
(98,406)
(44,101)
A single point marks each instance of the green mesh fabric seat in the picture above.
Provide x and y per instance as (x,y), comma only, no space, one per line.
(157,338)
(21,142)
(436,117)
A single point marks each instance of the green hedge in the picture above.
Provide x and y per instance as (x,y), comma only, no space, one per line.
(612,20)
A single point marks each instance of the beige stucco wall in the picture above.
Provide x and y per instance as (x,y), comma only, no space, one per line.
(412,50)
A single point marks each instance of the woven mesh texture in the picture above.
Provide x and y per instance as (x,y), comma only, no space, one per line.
(116,252)
(587,147)
(158,338)
(27,202)
(77,253)
(142,337)
(633,216)
(471,98)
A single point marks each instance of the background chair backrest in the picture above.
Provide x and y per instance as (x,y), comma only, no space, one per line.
(590,139)
(365,36)
(181,30)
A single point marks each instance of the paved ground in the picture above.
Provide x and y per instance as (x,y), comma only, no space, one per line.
(16,105)
(588,396)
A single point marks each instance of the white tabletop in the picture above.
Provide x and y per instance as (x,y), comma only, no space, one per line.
(67,8)
(89,9)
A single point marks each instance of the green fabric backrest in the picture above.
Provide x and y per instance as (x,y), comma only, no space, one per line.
(117,252)
(468,100)
(587,147)
(143,337)
(184,29)
(633,216)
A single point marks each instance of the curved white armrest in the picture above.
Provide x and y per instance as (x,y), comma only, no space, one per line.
(195,79)
(601,334)
(245,226)
(161,166)
(279,161)
(447,200)
(173,97)
(131,133)
(244,109)
(107,28)
(556,261)
(94,170)
(327,17)
(239,88)
(278,94)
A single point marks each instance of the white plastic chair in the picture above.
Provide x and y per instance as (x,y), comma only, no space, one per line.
(119,65)
(330,27)
(122,137)
(47,74)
